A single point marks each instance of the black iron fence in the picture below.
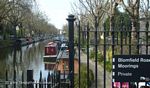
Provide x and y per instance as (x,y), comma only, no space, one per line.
(105,44)
(53,80)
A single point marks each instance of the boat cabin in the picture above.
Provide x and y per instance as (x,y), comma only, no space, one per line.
(51,51)
(63,63)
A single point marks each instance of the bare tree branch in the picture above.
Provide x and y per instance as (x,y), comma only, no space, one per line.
(84,6)
(90,5)
(126,8)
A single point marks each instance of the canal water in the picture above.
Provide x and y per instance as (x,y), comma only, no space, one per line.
(28,57)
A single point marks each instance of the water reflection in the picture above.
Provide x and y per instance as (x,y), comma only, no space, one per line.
(22,59)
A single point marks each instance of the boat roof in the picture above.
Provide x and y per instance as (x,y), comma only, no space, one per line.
(64,54)
(51,45)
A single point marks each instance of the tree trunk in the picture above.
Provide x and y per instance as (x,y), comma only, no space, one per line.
(134,28)
(134,34)
(111,24)
(112,20)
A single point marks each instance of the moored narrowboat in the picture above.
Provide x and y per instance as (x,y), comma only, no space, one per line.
(51,51)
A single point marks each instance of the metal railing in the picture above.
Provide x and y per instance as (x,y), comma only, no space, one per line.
(109,42)
(53,80)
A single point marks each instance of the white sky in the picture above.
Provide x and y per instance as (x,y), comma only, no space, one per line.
(56,10)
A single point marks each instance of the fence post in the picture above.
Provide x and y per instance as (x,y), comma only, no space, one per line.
(48,80)
(52,79)
(44,83)
(96,51)
(40,80)
(55,79)
(88,77)
(104,52)
(22,79)
(14,78)
(6,78)
(30,79)
(79,35)
(58,79)
(71,20)
(36,85)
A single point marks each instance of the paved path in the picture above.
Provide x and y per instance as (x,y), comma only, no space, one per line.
(100,72)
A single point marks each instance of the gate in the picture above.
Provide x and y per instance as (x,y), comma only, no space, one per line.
(100,46)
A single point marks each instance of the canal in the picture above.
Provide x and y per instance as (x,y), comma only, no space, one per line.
(28,57)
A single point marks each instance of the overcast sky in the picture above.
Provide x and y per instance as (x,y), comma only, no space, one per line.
(56,10)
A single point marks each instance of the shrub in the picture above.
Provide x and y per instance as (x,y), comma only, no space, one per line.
(92,55)
(109,66)
(83,78)
(100,57)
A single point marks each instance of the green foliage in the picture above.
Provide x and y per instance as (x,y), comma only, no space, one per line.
(109,59)
(65,30)
(83,46)
(109,66)
(109,54)
(83,76)
(99,56)
(92,55)
(121,22)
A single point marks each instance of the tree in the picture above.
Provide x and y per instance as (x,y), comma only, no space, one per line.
(132,7)
(4,9)
(145,7)
(20,13)
(92,11)
(121,21)
(113,6)
(65,30)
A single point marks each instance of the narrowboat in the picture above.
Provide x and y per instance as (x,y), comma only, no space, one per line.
(51,51)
